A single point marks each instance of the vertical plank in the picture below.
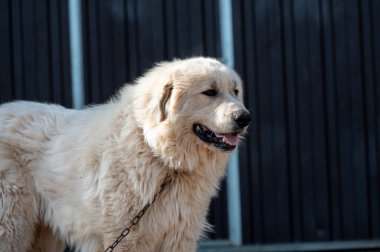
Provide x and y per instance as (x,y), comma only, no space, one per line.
(305,120)
(352,144)
(344,108)
(65,55)
(280,140)
(106,47)
(375,48)
(253,89)
(170,20)
(6,85)
(265,41)
(29,48)
(133,39)
(195,28)
(85,17)
(216,24)
(119,49)
(157,24)
(126,43)
(92,55)
(344,123)
(183,28)
(332,148)
(208,13)
(318,133)
(292,124)
(55,54)
(17,40)
(368,68)
(145,32)
(250,172)
(357,96)
(42,48)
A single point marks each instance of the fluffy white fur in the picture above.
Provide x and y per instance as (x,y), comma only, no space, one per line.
(79,176)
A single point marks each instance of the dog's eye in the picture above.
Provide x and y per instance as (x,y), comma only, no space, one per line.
(236,92)
(210,92)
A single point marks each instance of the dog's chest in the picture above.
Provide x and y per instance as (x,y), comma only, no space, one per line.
(177,213)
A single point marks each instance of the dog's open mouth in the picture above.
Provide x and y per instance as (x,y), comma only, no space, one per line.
(223,141)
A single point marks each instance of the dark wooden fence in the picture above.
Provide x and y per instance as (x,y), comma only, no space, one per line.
(34,51)
(122,39)
(310,167)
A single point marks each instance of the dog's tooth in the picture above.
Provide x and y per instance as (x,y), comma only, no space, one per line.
(198,128)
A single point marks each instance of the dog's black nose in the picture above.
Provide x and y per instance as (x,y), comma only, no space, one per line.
(243,119)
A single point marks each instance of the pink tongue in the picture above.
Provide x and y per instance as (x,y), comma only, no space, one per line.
(229,139)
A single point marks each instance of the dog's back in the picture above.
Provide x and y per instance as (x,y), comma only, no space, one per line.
(30,120)
(24,129)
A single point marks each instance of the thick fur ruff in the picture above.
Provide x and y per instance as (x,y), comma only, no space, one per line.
(79,176)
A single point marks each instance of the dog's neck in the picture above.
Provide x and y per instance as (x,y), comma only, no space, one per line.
(201,168)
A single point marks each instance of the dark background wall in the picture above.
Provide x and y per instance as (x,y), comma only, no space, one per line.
(310,166)
(122,39)
(34,51)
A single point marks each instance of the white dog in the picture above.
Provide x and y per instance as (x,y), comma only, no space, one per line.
(80,176)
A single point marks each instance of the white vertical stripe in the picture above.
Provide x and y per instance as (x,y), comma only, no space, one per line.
(76,53)
(233,182)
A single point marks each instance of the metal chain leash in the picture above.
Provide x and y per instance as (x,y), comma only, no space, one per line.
(137,218)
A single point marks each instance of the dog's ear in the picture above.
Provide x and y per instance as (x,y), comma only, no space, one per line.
(167,92)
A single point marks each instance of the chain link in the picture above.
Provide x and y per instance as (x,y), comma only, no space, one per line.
(137,218)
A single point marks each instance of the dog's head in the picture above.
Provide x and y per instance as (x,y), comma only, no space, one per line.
(191,107)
